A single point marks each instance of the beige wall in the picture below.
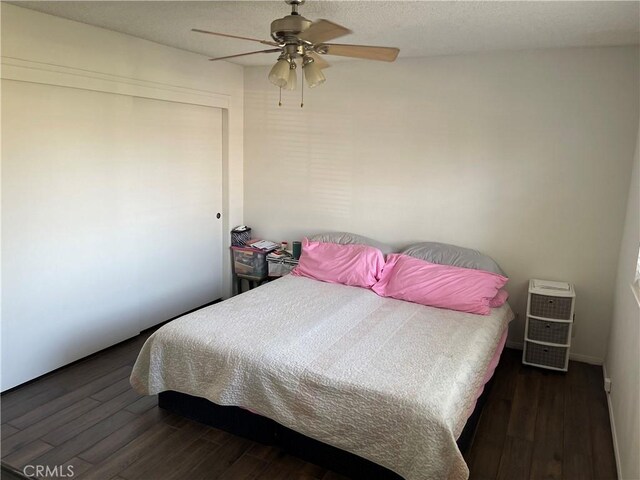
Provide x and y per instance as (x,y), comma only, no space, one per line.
(523,155)
(622,363)
(98,129)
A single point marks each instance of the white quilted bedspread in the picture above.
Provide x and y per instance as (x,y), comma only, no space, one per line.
(385,379)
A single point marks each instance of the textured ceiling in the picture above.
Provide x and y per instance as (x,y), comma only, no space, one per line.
(418,28)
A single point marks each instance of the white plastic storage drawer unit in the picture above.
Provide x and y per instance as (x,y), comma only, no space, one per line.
(550,312)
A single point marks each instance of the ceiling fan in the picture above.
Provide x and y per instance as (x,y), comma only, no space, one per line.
(295,37)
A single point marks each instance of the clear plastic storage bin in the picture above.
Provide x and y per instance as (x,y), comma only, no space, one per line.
(250,263)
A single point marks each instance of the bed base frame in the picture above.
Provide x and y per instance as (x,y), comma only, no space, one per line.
(239,421)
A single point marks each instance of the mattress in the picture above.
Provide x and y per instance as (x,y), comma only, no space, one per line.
(388,380)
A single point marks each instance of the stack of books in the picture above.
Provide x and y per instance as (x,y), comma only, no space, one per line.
(264,245)
(279,255)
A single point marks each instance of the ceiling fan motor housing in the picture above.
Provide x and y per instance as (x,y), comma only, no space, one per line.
(286,30)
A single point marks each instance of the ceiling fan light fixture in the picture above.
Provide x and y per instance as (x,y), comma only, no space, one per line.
(295,37)
(312,73)
(279,74)
(292,81)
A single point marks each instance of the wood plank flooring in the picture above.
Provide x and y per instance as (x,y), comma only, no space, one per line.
(540,424)
(536,425)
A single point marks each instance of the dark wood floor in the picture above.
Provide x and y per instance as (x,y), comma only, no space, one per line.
(536,425)
(540,424)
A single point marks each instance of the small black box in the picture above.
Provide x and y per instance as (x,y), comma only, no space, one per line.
(240,237)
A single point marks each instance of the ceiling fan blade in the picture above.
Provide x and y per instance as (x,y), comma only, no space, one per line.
(264,42)
(323,31)
(271,50)
(318,60)
(385,54)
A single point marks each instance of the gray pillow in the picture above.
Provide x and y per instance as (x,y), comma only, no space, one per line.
(346,238)
(445,254)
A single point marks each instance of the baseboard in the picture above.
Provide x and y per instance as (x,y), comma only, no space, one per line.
(515,345)
(614,435)
(578,357)
(586,359)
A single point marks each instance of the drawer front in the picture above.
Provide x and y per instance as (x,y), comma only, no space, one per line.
(250,264)
(552,332)
(546,355)
(550,307)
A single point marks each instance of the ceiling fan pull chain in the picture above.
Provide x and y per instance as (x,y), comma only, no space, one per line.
(280,99)
(302,91)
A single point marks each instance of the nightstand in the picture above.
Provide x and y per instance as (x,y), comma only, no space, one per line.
(550,314)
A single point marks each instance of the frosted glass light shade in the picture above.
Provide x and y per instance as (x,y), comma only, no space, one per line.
(279,74)
(313,75)
(292,82)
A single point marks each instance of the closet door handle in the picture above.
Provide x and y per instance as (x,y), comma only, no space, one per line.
(218,215)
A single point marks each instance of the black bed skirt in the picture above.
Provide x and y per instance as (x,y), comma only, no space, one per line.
(242,422)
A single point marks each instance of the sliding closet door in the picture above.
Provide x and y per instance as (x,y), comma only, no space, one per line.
(179,193)
(109,224)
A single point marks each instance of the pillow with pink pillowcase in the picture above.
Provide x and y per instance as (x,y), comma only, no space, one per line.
(456,288)
(500,298)
(355,265)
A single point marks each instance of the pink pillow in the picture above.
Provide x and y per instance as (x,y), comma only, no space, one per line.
(414,280)
(356,265)
(499,299)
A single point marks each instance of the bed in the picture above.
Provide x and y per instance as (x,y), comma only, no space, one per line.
(390,381)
